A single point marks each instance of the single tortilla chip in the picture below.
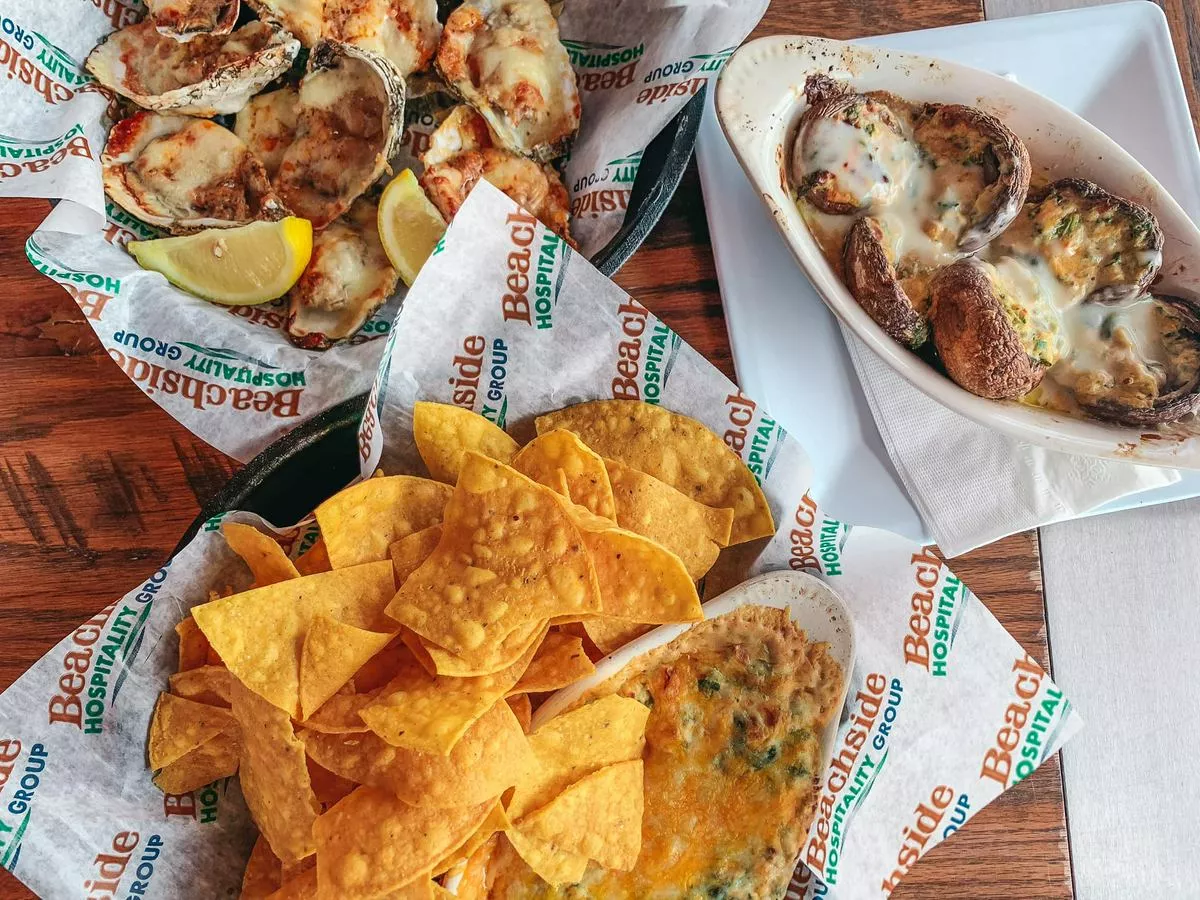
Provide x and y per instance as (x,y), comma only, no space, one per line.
(641,580)
(652,508)
(339,714)
(206,684)
(358,523)
(559,661)
(575,744)
(492,756)
(179,726)
(432,713)
(472,882)
(304,887)
(274,776)
(420,650)
(445,433)
(266,559)
(510,554)
(410,551)
(373,842)
(610,635)
(552,864)
(315,559)
(675,449)
(193,645)
(495,823)
(214,759)
(487,659)
(259,633)
(522,708)
(561,451)
(382,667)
(328,787)
(332,652)
(598,817)
(264,872)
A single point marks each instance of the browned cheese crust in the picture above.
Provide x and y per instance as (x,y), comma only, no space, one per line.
(872,281)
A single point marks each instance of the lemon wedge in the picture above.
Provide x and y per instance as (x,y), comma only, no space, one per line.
(240,266)
(409,225)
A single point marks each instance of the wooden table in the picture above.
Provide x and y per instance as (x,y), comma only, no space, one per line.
(99,483)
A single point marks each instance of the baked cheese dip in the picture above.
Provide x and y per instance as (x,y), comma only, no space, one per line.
(731,764)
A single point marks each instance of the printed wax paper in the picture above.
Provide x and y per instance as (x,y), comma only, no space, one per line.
(229,374)
(944,712)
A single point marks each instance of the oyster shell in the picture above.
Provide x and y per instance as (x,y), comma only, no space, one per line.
(184,19)
(268,125)
(504,57)
(404,31)
(463,149)
(182,173)
(205,76)
(347,279)
(349,123)
(301,17)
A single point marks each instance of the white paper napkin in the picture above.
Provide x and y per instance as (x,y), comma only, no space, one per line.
(973,485)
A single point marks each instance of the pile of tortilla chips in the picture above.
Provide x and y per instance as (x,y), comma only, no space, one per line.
(374,695)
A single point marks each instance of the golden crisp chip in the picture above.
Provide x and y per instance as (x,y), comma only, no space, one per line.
(339,714)
(358,523)
(263,874)
(419,649)
(193,645)
(641,580)
(652,508)
(552,864)
(444,434)
(179,726)
(332,652)
(510,554)
(410,551)
(328,787)
(206,684)
(274,776)
(522,708)
(266,559)
(431,713)
(559,661)
(496,822)
(259,633)
(610,635)
(373,842)
(437,892)
(598,817)
(568,747)
(304,887)
(315,559)
(487,659)
(491,757)
(543,458)
(674,449)
(382,667)
(215,758)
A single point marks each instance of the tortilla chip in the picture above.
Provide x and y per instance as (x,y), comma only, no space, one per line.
(444,434)
(575,744)
(214,759)
(652,508)
(382,667)
(598,817)
(552,864)
(675,449)
(437,892)
(328,787)
(264,873)
(179,726)
(419,649)
(304,887)
(206,684)
(266,559)
(432,713)
(410,551)
(274,776)
(496,822)
(339,714)
(610,635)
(641,580)
(491,757)
(315,559)
(561,451)
(559,661)
(332,652)
(472,883)
(193,645)
(522,708)
(373,842)
(510,554)
(358,523)
(732,567)
(487,659)
(259,633)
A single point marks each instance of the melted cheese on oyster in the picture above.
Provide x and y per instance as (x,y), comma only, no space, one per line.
(404,31)
(155,63)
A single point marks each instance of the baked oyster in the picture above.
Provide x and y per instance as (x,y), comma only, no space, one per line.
(206,76)
(183,173)
(267,124)
(349,122)
(504,58)
(184,19)
(300,17)
(406,32)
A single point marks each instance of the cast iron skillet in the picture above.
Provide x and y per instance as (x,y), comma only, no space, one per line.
(291,477)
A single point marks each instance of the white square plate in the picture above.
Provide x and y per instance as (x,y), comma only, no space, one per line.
(787,347)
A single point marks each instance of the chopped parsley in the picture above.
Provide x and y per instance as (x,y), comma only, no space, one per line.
(1066,225)
(1141,231)
(869,128)
(710,684)
(946,205)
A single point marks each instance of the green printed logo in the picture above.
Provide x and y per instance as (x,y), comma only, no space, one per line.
(603,67)
(495,406)
(214,524)
(222,363)
(661,353)
(935,607)
(45,263)
(1031,722)
(202,805)
(758,444)
(551,270)
(711,62)
(18,148)
(633,380)
(123,227)
(625,169)
(24,784)
(51,71)
(59,64)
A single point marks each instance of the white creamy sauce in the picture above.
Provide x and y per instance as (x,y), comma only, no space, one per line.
(871,172)
(1030,275)
(1090,348)
(920,209)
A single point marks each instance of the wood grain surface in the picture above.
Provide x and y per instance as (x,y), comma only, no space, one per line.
(98,483)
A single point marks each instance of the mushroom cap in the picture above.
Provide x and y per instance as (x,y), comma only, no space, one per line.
(872,281)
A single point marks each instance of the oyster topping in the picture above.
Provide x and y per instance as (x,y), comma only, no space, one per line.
(462,150)
(349,122)
(347,279)
(301,17)
(184,19)
(404,31)
(205,76)
(268,126)
(182,173)
(504,58)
